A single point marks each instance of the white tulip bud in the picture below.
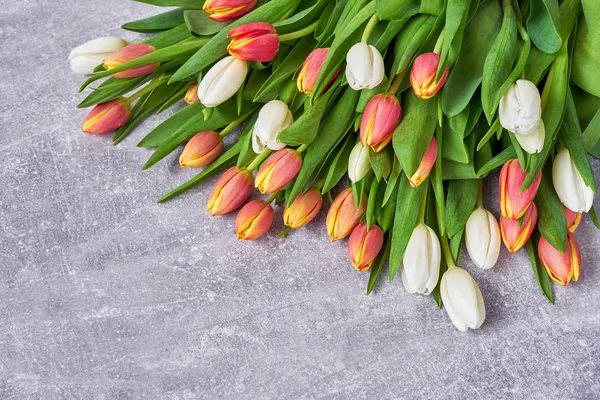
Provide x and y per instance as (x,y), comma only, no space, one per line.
(222,81)
(85,58)
(462,299)
(273,118)
(358,162)
(520,108)
(483,238)
(569,185)
(364,67)
(534,142)
(421,263)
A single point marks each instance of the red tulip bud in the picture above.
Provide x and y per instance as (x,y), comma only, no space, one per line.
(231,191)
(191,96)
(253,220)
(426,164)
(202,149)
(226,10)
(364,246)
(513,202)
(129,53)
(422,75)
(343,215)
(515,236)
(309,73)
(257,41)
(107,117)
(561,267)
(279,170)
(573,219)
(303,209)
(381,117)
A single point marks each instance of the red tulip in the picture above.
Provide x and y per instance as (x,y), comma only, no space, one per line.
(107,117)
(254,220)
(226,10)
(257,41)
(279,170)
(381,117)
(129,53)
(343,216)
(364,246)
(309,73)
(515,236)
(561,267)
(202,149)
(423,73)
(303,209)
(231,191)
(426,164)
(513,201)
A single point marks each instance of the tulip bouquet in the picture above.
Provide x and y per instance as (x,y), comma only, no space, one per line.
(415,101)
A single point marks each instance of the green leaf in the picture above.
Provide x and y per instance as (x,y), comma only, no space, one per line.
(498,161)
(396,9)
(393,179)
(465,77)
(301,19)
(552,221)
(339,165)
(247,154)
(414,133)
(110,89)
(378,266)
(225,161)
(542,25)
(385,213)
(170,37)
(407,212)
(173,3)
(586,56)
(411,38)
(591,135)
(454,146)
(174,99)
(594,217)
(199,23)
(538,270)
(456,19)
(160,22)
(371,201)
(462,198)
(334,127)
(161,133)
(381,162)
(216,48)
(438,184)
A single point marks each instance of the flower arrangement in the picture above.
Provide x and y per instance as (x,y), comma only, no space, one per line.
(414,101)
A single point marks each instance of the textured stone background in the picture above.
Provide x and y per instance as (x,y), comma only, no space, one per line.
(106,295)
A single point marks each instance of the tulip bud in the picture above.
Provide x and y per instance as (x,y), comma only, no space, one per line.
(107,117)
(513,202)
(226,10)
(273,118)
(421,263)
(483,238)
(462,299)
(381,117)
(309,73)
(569,185)
(515,236)
(561,267)
(358,162)
(533,142)
(573,219)
(279,170)
(191,96)
(520,109)
(423,73)
(129,53)
(343,215)
(364,246)
(364,67)
(231,191)
(426,165)
(202,149)
(222,81)
(253,220)
(85,58)
(256,41)
(303,209)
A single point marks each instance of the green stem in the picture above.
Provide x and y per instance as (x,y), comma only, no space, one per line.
(369,28)
(439,43)
(447,252)
(234,124)
(302,148)
(423,207)
(272,197)
(298,34)
(146,89)
(284,233)
(396,83)
(320,184)
(480,195)
(258,159)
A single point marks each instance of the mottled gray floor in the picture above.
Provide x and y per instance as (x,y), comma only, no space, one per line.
(106,295)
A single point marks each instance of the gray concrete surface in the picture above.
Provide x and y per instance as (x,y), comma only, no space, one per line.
(105,294)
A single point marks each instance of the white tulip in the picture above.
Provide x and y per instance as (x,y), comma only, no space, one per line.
(569,185)
(85,58)
(462,299)
(483,238)
(521,108)
(421,263)
(222,81)
(358,162)
(364,67)
(273,118)
(534,142)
